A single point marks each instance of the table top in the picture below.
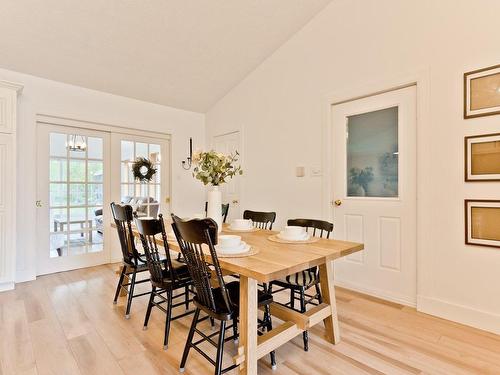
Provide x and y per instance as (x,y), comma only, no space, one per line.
(276,260)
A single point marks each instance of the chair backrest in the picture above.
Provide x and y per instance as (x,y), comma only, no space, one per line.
(225,210)
(152,232)
(319,227)
(194,236)
(262,220)
(123,216)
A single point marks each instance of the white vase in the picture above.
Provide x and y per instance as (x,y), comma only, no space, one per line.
(214,209)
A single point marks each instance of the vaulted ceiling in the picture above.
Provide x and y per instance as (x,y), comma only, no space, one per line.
(181,53)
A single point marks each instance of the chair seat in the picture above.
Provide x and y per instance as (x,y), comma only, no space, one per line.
(139,268)
(299,279)
(182,278)
(233,289)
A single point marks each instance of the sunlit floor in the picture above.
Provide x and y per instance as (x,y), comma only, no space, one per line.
(66,323)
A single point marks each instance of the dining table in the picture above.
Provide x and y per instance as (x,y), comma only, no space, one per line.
(274,260)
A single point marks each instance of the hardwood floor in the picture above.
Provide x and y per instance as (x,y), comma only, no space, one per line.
(66,323)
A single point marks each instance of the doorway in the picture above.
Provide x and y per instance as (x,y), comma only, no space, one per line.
(229,143)
(75,187)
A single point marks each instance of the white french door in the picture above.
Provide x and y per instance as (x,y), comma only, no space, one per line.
(374,193)
(73,188)
(229,144)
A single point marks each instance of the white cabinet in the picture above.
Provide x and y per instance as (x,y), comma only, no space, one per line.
(8,110)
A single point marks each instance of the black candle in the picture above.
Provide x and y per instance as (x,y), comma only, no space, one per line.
(190,147)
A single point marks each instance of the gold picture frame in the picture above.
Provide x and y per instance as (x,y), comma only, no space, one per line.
(481,222)
(482,157)
(482,92)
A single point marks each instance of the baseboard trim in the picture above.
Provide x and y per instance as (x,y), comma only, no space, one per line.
(23,276)
(7,285)
(376,293)
(458,313)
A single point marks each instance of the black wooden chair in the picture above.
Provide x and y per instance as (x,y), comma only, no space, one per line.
(300,282)
(262,220)
(225,210)
(133,261)
(221,302)
(167,276)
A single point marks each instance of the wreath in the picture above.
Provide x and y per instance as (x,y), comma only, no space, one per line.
(143,169)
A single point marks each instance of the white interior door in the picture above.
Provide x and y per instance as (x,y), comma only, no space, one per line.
(374,193)
(228,144)
(73,188)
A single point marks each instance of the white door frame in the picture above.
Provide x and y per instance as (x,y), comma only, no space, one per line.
(421,80)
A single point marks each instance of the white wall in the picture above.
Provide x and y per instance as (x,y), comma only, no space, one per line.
(361,43)
(42,96)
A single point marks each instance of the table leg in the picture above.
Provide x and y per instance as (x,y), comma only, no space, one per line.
(328,292)
(248,325)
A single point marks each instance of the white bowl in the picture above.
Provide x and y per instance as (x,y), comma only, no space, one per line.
(294,232)
(229,241)
(243,247)
(303,237)
(241,224)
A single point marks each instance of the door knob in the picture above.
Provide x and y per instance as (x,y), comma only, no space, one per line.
(235,201)
(338,202)
(38,203)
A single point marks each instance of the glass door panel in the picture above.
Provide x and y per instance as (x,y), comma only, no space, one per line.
(76,196)
(373,154)
(144,197)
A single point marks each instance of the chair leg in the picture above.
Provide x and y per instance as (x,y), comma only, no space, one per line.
(150,307)
(120,282)
(292,299)
(186,297)
(168,319)
(220,348)
(305,334)
(269,326)
(318,293)
(130,295)
(212,323)
(235,330)
(189,340)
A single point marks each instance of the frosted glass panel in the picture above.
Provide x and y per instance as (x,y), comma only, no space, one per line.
(372,154)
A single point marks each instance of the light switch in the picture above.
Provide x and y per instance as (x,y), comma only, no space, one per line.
(300,171)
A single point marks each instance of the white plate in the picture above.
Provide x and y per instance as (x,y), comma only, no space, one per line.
(243,248)
(305,237)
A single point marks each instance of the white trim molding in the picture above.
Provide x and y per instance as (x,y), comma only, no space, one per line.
(375,293)
(465,315)
(91,125)
(12,85)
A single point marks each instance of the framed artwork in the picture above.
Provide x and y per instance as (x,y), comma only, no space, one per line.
(482,92)
(482,157)
(482,222)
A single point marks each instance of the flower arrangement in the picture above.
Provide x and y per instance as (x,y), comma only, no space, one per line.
(215,168)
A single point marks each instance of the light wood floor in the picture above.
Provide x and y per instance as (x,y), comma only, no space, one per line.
(66,324)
